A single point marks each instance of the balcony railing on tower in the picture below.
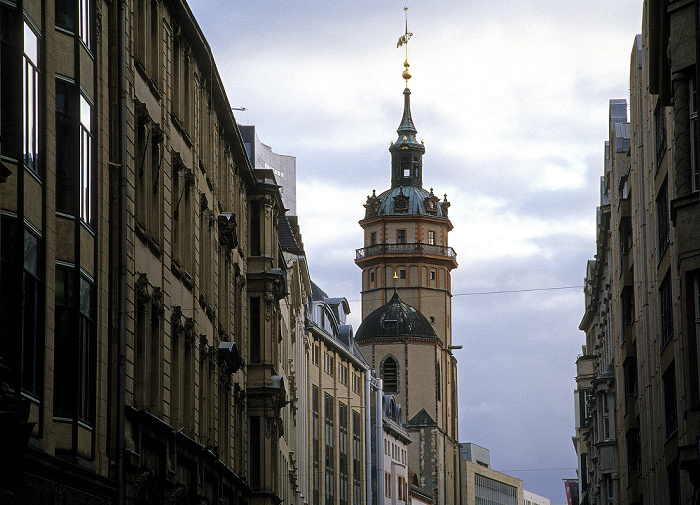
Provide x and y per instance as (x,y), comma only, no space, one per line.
(416,248)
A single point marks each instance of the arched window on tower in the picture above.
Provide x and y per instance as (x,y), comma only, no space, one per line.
(390,375)
(405,168)
(416,167)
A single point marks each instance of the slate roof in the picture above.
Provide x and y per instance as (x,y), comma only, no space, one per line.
(288,241)
(416,202)
(395,319)
(422,418)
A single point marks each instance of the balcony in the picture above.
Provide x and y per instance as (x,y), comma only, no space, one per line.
(407,249)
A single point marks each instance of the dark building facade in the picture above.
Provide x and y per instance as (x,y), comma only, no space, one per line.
(141,272)
(652,301)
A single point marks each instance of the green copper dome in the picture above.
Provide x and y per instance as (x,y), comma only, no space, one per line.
(396,319)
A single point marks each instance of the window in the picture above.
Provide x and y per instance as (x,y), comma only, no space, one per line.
(65,14)
(149,159)
(329,365)
(433,274)
(255,229)
(66,147)
(666,301)
(670,407)
(85,22)
(357,383)
(662,220)
(330,460)
(390,373)
(627,300)
(488,490)
(387,484)
(181,83)
(405,168)
(584,397)
(402,273)
(22,298)
(373,238)
(85,160)
(316,355)
(316,449)
(254,314)
(674,483)
(625,235)
(11,80)
(431,238)
(31,100)
(633,450)
(183,180)
(660,127)
(343,374)
(371,276)
(74,376)
(694,136)
(147,37)
(343,467)
(608,489)
(357,459)
(400,236)
(630,371)
(255,451)
(604,417)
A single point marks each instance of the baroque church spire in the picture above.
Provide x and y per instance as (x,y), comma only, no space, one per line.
(406,152)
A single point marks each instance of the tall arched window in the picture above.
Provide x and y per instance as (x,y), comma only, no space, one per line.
(390,375)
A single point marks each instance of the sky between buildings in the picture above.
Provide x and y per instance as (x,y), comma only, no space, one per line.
(511,98)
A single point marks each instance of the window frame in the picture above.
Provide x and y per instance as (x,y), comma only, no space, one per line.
(31,102)
(401,236)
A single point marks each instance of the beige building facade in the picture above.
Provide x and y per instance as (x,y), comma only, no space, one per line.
(337,389)
(483,485)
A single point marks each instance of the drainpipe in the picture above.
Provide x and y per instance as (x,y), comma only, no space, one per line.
(368,438)
(121,381)
(379,428)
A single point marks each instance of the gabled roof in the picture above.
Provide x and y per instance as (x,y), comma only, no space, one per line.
(422,418)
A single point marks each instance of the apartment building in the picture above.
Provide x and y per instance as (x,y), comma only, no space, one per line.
(652,299)
(148,311)
(338,392)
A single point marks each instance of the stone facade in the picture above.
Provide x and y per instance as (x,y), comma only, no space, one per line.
(652,300)
(152,321)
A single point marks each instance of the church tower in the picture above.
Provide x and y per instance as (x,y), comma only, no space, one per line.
(406,332)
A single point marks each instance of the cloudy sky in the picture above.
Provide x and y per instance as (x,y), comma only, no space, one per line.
(511,98)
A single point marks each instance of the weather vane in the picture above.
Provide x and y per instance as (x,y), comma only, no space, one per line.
(403,41)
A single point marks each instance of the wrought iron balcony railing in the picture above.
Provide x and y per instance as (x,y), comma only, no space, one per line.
(434,250)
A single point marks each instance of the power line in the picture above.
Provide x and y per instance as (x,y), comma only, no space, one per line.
(528,290)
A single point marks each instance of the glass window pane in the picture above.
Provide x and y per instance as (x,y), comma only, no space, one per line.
(85,22)
(65,14)
(64,287)
(31,253)
(30,44)
(85,297)
(85,113)
(66,147)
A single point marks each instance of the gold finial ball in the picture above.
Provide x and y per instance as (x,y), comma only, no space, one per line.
(406,74)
